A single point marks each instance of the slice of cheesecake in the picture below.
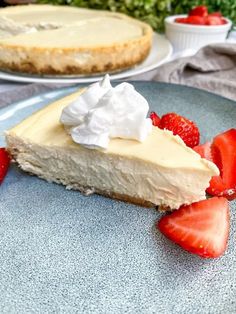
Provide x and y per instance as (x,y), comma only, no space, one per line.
(45,39)
(162,170)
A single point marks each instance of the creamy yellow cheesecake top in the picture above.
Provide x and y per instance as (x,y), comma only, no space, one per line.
(67,28)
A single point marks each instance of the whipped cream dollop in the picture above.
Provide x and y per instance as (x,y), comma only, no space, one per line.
(103,112)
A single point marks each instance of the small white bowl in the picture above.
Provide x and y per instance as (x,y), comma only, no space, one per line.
(188,36)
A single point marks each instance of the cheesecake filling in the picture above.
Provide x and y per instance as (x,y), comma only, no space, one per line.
(96,171)
(103,112)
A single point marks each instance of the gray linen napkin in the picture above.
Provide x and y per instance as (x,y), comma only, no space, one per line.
(212,68)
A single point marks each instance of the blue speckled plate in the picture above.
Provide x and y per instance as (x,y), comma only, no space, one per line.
(62,252)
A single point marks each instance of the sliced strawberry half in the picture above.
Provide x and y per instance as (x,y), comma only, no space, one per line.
(155,118)
(222,151)
(181,126)
(224,155)
(201,228)
(204,150)
(4,163)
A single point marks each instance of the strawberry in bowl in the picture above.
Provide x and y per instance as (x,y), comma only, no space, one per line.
(200,16)
(196,29)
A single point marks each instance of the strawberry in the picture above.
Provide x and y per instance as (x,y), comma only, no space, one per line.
(224,155)
(195,20)
(199,16)
(214,20)
(204,150)
(222,151)
(215,14)
(223,21)
(219,188)
(4,163)
(219,16)
(181,126)
(155,118)
(201,228)
(200,10)
(182,20)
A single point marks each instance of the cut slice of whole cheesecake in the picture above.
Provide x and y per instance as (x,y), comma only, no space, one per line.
(162,170)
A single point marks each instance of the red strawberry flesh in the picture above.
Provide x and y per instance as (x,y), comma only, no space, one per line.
(222,152)
(4,163)
(199,16)
(195,20)
(155,118)
(182,20)
(224,145)
(201,228)
(214,20)
(204,150)
(224,156)
(200,10)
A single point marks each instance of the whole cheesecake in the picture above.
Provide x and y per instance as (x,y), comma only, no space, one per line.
(162,170)
(46,39)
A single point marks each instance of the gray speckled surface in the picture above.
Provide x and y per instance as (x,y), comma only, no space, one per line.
(62,252)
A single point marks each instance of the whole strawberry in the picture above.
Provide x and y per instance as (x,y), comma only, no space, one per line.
(181,126)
